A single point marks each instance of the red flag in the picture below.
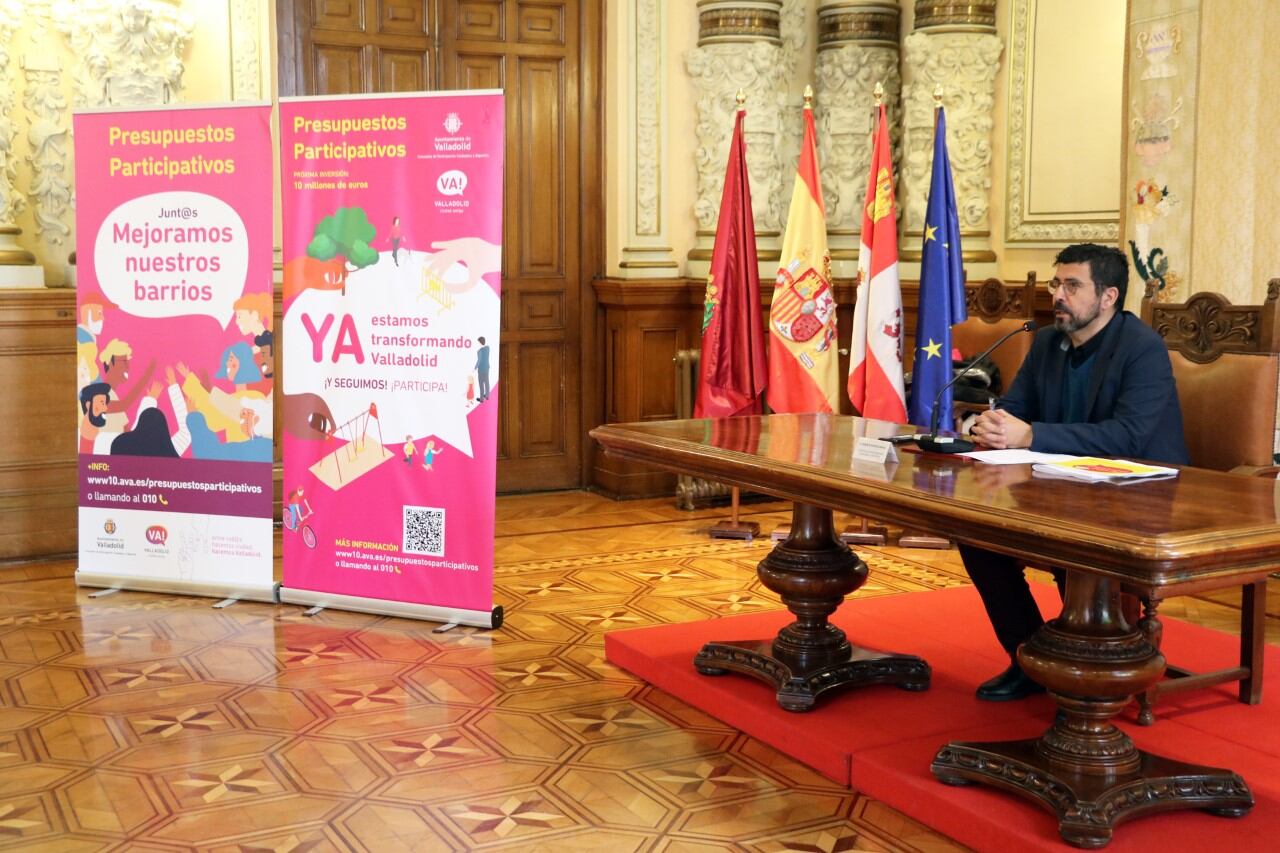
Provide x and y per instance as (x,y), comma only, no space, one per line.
(804,373)
(732,371)
(875,352)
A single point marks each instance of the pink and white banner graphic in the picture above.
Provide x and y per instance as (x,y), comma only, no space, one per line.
(392,262)
(174,349)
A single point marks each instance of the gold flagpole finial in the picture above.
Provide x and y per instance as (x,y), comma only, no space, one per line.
(937,96)
(741,98)
(879,92)
(808,97)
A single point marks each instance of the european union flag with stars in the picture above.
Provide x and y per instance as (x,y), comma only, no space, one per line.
(941,290)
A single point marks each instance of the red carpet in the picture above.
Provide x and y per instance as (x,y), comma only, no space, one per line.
(880,739)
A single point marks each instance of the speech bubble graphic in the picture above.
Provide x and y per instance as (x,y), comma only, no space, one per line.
(399,339)
(173,254)
(452,182)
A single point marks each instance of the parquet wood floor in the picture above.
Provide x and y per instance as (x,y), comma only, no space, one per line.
(149,722)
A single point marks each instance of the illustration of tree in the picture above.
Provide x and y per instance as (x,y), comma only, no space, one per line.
(347,233)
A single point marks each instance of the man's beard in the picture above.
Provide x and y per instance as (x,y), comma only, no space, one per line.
(97,420)
(1073,323)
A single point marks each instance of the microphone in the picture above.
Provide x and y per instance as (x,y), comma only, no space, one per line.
(935,443)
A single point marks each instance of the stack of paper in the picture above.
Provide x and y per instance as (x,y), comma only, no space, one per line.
(1094,469)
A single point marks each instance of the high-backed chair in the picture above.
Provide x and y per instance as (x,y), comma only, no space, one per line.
(995,309)
(1226,360)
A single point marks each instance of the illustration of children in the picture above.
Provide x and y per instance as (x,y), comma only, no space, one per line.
(409,449)
(429,453)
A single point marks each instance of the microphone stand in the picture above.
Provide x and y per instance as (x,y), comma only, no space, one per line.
(934,443)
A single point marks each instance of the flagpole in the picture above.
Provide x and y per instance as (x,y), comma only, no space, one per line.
(910,539)
(864,533)
(735,529)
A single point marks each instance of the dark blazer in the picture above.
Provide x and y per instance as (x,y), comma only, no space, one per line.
(1132,408)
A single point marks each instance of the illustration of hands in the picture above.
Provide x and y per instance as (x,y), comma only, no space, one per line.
(478,256)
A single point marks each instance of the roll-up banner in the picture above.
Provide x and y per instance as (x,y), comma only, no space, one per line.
(392,261)
(173,349)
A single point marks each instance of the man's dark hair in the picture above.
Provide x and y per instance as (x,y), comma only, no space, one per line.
(481,341)
(1108,267)
(93,389)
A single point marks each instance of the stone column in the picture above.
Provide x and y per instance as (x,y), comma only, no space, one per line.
(955,47)
(647,250)
(857,48)
(740,47)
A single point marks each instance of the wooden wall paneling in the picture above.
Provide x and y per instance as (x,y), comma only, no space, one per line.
(39,490)
(645,323)
(403,71)
(540,352)
(590,203)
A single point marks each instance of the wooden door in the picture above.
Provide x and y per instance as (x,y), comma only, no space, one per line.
(543,54)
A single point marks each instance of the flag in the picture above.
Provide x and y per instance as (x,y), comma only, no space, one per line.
(732,372)
(804,372)
(875,352)
(941,289)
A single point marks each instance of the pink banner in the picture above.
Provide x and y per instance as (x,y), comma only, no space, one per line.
(174,344)
(392,249)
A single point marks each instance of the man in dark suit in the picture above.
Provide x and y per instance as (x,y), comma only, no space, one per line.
(1096,383)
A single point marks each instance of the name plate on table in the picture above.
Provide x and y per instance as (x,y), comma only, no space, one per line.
(874,450)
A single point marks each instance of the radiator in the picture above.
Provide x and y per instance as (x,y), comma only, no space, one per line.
(691,489)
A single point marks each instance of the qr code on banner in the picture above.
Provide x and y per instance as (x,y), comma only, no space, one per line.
(423,531)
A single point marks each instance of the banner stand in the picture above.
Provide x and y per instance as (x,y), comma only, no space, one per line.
(176,586)
(386,607)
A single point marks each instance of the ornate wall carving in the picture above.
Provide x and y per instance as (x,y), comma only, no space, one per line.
(648,59)
(646,251)
(130,53)
(11,201)
(965,64)
(246,64)
(48,136)
(857,48)
(751,60)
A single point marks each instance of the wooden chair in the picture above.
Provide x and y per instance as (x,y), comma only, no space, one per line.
(1226,362)
(995,309)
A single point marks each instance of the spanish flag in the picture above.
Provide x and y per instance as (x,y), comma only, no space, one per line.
(804,371)
(875,352)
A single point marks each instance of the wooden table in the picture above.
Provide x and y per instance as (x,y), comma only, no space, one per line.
(1200,531)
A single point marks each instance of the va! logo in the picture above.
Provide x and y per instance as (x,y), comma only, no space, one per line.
(109,526)
(157,535)
(452,182)
(452,123)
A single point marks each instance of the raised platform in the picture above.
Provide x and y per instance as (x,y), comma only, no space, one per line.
(880,740)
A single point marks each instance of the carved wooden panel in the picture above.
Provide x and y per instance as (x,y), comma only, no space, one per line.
(403,71)
(540,126)
(480,72)
(542,421)
(505,425)
(38,407)
(657,388)
(480,20)
(540,23)
(338,69)
(345,15)
(542,310)
(1208,325)
(401,16)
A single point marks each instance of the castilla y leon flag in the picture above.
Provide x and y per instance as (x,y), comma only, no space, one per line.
(804,372)
(875,353)
(732,371)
